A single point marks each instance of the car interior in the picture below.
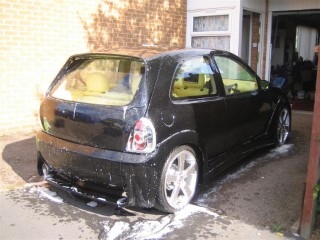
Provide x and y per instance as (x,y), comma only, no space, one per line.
(102,81)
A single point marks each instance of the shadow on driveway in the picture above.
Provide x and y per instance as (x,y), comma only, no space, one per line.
(21,156)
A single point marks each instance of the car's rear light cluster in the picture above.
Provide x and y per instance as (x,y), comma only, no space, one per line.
(142,138)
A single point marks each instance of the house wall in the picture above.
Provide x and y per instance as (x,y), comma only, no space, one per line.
(235,9)
(254,5)
(290,5)
(217,7)
(256,42)
(38,36)
(258,10)
(209,4)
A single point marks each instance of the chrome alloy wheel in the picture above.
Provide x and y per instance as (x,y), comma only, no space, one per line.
(181,179)
(283,127)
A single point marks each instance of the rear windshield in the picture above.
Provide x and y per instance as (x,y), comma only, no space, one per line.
(107,81)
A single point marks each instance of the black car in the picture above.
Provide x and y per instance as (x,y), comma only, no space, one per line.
(147,128)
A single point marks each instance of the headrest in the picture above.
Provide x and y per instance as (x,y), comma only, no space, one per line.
(96,82)
(195,81)
(135,81)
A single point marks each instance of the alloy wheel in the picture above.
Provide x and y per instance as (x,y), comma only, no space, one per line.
(283,127)
(181,179)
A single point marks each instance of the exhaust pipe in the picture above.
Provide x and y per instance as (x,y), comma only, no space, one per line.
(122,202)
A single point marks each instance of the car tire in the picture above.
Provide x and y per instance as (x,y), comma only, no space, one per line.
(179,179)
(282,126)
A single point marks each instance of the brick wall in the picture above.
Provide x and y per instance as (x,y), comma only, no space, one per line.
(38,36)
(255,38)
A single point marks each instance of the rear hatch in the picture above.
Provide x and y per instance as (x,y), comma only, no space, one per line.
(96,100)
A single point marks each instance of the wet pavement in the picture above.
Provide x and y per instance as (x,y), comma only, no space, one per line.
(259,198)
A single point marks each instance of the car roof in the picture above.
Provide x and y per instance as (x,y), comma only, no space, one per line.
(143,53)
(149,53)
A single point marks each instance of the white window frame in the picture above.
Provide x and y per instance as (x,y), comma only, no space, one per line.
(191,33)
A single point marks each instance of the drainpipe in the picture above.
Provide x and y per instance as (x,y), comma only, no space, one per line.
(309,207)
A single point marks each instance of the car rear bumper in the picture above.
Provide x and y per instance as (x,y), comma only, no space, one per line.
(77,166)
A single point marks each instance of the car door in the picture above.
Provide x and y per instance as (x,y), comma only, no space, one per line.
(248,107)
(197,98)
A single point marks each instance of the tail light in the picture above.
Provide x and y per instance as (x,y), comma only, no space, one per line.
(142,138)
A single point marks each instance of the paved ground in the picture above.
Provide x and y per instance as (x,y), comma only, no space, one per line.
(260,198)
(267,189)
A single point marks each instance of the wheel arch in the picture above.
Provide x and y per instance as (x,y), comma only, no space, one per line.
(200,159)
(189,138)
(280,103)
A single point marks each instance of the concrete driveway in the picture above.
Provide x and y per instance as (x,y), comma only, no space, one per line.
(259,198)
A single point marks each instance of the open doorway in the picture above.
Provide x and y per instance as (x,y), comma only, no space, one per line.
(250,41)
(246,33)
(294,36)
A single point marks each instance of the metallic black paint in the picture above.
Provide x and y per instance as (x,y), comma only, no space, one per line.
(87,142)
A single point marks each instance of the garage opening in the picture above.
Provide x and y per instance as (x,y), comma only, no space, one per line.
(293,61)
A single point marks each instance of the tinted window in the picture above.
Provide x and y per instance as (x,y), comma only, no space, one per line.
(236,77)
(112,81)
(194,78)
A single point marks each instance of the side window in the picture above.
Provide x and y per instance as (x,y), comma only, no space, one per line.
(194,78)
(236,78)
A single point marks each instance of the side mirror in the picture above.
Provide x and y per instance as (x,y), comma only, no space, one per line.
(279,82)
(265,84)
